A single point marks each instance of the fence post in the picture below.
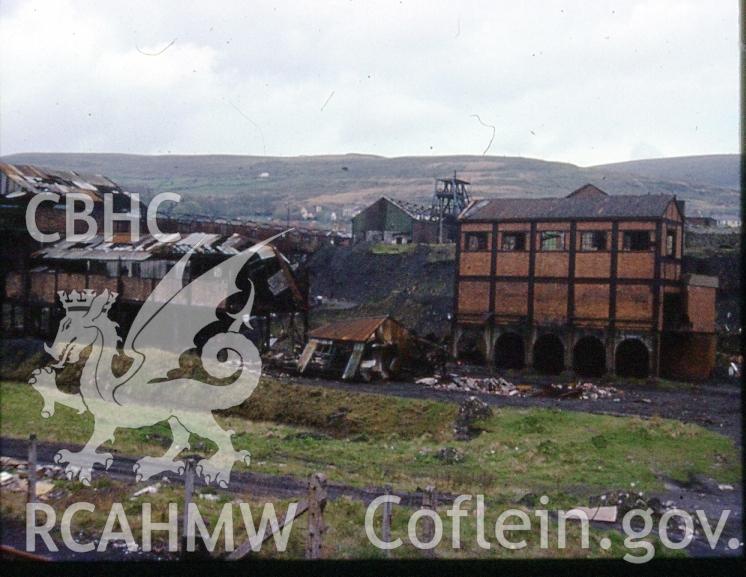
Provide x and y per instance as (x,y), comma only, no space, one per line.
(316,525)
(188,490)
(386,522)
(31,479)
(429,501)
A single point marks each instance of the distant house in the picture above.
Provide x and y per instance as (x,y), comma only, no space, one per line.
(729,222)
(393,221)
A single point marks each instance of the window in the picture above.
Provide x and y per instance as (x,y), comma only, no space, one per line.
(593,240)
(637,240)
(670,242)
(475,241)
(514,241)
(552,240)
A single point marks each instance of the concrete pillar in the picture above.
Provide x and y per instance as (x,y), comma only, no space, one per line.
(458,331)
(526,348)
(654,351)
(530,340)
(569,342)
(490,337)
(611,342)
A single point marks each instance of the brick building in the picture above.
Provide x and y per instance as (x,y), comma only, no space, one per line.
(588,282)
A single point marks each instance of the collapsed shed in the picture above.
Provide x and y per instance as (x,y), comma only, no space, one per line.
(374,347)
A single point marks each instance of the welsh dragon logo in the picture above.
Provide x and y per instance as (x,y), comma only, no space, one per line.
(164,329)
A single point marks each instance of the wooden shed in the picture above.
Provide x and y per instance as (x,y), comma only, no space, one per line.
(372,347)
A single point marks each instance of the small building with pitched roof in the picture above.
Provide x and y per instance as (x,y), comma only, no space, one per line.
(394,221)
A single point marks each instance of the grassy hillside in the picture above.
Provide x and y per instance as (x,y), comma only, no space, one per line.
(265,186)
(722,170)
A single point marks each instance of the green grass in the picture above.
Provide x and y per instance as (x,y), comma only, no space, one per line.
(343,414)
(371,440)
(363,439)
(344,517)
(386,248)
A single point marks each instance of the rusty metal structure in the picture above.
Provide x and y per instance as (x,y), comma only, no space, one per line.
(133,269)
(450,197)
(33,272)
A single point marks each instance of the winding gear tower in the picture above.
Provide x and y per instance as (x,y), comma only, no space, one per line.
(450,197)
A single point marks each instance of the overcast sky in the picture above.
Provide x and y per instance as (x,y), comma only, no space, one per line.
(581,81)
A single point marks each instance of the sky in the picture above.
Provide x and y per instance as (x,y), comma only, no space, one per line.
(576,81)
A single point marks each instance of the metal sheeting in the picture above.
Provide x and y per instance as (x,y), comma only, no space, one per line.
(356,330)
(35,179)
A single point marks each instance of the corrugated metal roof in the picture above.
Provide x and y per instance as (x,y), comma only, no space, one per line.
(416,211)
(36,179)
(356,330)
(586,202)
(172,245)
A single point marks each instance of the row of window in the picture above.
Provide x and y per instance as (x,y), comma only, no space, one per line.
(553,240)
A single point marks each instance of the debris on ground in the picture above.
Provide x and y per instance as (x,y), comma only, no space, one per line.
(14,477)
(585,391)
(625,501)
(43,488)
(734,370)
(449,455)
(469,411)
(492,385)
(502,387)
(149,490)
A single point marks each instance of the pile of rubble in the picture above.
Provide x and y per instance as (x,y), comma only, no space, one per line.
(624,501)
(587,391)
(14,477)
(469,411)
(491,385)
(504,388)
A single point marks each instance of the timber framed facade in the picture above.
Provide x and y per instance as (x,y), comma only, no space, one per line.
(590,282)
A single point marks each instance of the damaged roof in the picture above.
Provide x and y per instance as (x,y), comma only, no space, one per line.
(24,178)
(172,245)
(416,211)
(586,202)
(356,330)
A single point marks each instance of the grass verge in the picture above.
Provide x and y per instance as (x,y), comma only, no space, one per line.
(362,439)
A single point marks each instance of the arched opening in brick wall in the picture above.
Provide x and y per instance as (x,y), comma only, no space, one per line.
(589,357)
(510,352)
(470,347)
(632,359)
(549,355)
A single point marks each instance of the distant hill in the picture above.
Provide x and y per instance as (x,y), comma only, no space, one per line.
(722,170)
(252,186)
